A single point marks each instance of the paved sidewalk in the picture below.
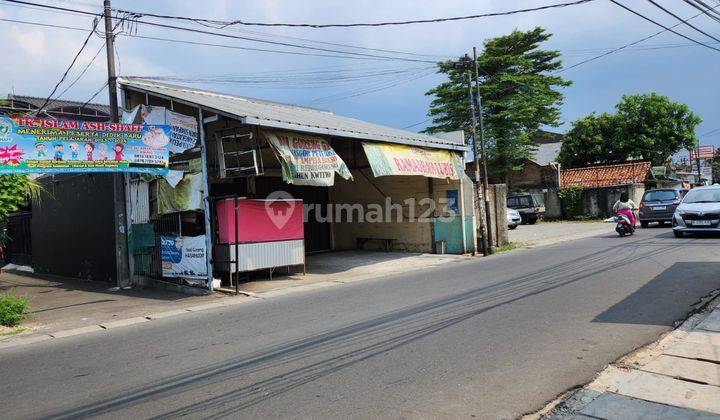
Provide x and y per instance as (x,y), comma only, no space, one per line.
(69,307)
(546,233)
(677,377)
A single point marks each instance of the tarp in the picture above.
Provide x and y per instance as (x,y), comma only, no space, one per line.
(307,160)
(395,159)
(187,194)
(34,145)
(260,220)
(183,256)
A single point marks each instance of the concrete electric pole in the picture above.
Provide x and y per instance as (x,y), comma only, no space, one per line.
(122,270)
(476,180)
(483,150)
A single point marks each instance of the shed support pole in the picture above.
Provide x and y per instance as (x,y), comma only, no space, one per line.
(206,199)
(461,206)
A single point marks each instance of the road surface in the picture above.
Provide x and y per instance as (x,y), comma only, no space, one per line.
(485,338)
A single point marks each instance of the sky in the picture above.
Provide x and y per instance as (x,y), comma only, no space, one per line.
(388,92)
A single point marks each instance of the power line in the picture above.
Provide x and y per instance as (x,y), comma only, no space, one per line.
(664,27)
(133,15)
(417,123)
(683,21)
(371,24)
(82,73)
(623,47)
(82,47)
(95,94)
(705,11)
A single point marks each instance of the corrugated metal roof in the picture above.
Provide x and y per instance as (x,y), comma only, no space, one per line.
(546,153)
(286,116)
(58,103)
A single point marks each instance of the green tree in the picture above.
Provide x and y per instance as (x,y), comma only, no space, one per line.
(519,94)
(15,191)
(591,139)
(648,126)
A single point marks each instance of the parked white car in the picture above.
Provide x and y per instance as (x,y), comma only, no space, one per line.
(513,218)
(699,211)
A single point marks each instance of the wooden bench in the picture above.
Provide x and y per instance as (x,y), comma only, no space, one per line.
(387,242)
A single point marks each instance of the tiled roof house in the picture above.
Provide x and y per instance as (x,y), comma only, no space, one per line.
(605,176)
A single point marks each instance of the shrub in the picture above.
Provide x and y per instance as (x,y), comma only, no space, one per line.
(571,201)
(12,310)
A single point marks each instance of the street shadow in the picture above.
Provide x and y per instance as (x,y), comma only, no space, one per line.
(241,382)
(664,291)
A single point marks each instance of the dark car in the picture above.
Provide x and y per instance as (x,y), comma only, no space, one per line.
(659,206)
(527,206)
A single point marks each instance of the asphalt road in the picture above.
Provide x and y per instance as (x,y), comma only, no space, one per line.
(486,338)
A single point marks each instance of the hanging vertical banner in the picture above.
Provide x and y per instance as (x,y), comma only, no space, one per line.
(307,160)
(183,256)
(186,195)
(183,128)
(34,145)
(397,159)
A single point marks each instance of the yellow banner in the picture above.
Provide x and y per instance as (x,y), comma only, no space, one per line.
(396,159)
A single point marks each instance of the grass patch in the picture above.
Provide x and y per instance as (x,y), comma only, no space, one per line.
(510,246)
(4,332)
(12,310)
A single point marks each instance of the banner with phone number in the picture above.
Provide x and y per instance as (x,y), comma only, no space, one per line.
(34,145)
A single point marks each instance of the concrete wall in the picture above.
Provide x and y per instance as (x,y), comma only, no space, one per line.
(412,236)
(497,193)
(598,202)
(448,229)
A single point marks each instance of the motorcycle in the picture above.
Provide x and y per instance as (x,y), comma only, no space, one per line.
(623,225)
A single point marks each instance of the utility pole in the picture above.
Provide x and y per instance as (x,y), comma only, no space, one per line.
(697,162)
(122,258)
(476,181)
(110,51)
(488,218)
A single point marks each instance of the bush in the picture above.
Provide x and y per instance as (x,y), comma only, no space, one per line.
(12,310)
(571,201)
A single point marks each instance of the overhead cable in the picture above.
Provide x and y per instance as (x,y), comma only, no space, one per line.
(664,27)
(622,47)
(72,63)
(684,21)
(223,23)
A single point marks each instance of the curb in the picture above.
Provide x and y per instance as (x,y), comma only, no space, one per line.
(121,323)
(112,325)
(569,403)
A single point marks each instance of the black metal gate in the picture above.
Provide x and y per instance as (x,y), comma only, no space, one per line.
(19,247)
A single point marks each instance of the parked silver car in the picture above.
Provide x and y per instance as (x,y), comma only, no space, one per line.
(513,218)
(698,212)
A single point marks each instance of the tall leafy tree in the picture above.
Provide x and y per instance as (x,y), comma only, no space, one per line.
(15,191)
(519,93)
(648,126)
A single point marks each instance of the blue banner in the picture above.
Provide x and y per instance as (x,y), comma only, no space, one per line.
(34,145)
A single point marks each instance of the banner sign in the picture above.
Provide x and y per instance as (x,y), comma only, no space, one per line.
(183,128)
(396,159)
(702,152)
(186,195)
(33,145)
(307,160)
(183,256)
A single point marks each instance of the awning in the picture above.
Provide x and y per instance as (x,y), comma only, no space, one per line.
(395,159)
(306,160)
